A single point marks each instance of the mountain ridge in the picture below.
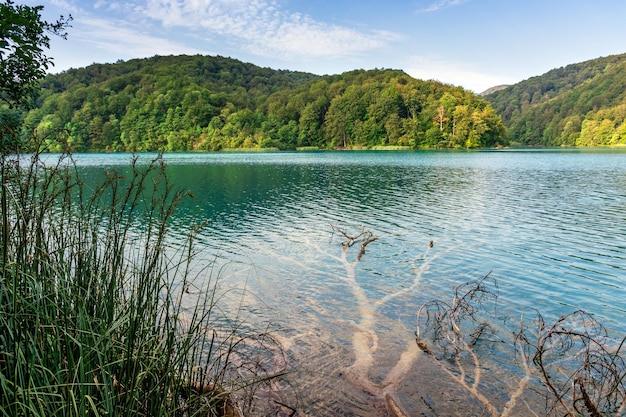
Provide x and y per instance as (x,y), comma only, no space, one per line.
(581,104)
(198,103)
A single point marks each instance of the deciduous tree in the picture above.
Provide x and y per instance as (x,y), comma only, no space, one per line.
(23,40)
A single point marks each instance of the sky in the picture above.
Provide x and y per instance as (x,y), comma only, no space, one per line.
(476,44)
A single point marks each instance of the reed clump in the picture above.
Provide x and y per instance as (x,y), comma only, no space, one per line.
(95,313)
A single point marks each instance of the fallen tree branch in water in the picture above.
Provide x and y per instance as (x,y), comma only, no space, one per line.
(583,369)
(464,360)
(454,329)
(364,236)
(365,339)
(365,242)
(571,357)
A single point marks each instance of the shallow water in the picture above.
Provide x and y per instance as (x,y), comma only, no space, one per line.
(549,226)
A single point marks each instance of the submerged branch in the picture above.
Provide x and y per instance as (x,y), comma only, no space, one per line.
(365,338)
(571,357)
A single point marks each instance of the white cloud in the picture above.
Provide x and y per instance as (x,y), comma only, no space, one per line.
(442,4)
(266,29)
(119,38)
(63,4)
(467,76)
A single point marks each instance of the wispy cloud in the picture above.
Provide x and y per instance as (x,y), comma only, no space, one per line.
(441,4)
(97,31)
(265,28)
(441,69)
(120,38)
(63,4)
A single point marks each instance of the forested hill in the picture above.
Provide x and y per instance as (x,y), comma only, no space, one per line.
(181,103)
(578,105)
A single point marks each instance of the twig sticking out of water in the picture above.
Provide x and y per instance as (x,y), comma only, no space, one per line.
(571,357)
(364,235)
(365,242)
(579,364)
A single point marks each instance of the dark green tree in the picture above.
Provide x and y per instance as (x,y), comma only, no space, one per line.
(23,37)
(567,106)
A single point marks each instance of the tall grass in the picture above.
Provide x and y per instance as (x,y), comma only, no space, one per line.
(95,317)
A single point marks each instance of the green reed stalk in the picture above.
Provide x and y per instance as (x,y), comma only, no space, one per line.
(93,312)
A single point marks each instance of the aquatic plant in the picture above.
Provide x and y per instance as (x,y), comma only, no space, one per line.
(100,309)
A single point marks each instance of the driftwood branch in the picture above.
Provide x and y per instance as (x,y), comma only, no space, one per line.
(365,337)
(364,236)
(449,334)
(582,370)
(575,360)
(369,239)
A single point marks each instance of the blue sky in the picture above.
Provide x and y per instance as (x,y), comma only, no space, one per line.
(473,43)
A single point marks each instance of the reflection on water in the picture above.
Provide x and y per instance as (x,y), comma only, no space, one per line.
(549,226)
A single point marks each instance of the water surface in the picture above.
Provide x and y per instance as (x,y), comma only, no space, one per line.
(549,226)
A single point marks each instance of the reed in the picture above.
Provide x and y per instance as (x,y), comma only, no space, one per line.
(95,311)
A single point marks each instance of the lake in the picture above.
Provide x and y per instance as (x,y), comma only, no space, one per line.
(548,225)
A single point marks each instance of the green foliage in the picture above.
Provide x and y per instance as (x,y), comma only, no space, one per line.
(190,103)
(23,37)
(95,311)
(577,105)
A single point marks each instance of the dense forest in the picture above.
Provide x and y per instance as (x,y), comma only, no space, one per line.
(578,105)
(197,103)
(189,103)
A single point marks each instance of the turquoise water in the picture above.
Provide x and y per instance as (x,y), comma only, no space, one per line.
(549,226)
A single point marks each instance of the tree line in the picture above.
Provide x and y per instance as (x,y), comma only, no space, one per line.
(581,104)
(205,103)
(201,103)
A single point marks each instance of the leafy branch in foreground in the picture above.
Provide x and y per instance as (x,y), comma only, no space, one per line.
(581,368)
(23,38)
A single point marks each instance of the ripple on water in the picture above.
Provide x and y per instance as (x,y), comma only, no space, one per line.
(550,227)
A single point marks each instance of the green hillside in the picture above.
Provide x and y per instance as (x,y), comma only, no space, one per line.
(578,105)
(185,103)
